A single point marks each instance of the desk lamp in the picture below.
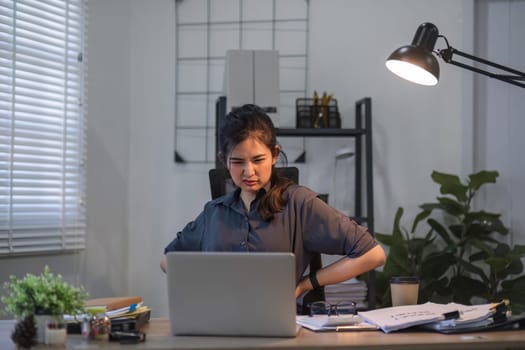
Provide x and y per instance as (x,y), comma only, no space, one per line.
(416,63)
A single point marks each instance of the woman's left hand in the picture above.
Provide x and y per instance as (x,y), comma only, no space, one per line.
(302,287)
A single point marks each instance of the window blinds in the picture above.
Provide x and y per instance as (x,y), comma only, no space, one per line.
(42,127)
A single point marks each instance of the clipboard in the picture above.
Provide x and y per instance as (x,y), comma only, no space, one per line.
(511,323)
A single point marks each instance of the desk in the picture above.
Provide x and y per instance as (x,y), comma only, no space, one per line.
(158,338)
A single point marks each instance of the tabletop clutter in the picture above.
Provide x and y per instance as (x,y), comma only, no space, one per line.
(443,318)
(113,318)
(121,318)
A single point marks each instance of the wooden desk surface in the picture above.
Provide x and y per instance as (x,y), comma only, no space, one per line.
(158,338)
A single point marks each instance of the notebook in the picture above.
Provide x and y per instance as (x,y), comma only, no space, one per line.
(231,293)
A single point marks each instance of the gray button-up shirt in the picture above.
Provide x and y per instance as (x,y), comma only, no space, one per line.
(305,226)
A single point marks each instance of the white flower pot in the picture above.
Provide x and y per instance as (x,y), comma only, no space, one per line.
(55,336)
(41,322)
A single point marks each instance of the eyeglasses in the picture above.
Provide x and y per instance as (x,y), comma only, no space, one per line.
(325,308)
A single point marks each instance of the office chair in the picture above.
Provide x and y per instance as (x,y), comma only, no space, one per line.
(221,183)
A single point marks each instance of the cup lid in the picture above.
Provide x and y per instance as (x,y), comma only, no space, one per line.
(404,279)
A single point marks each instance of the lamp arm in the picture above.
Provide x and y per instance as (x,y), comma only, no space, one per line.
(446,55)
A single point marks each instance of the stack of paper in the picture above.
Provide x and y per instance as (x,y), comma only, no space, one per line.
(333,323)
(433,316)
(351,290)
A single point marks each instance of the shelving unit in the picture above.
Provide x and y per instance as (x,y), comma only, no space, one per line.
(362,133)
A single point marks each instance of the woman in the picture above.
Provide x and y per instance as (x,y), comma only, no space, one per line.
(269,213)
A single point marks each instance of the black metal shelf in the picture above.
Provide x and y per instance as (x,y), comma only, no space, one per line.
(363,153)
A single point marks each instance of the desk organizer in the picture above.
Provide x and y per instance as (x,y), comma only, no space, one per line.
(309,115)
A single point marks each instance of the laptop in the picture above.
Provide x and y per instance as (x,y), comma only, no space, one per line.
(231,294)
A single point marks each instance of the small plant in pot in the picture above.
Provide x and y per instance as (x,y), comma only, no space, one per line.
(47,297)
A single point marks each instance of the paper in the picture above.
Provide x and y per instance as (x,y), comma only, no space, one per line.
(399,317)
(334,323)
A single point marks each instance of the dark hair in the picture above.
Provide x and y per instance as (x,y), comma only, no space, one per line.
(251,121)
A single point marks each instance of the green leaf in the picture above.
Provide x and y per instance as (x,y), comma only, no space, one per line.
(497,264)
(518,250)
(421,216)
(441,231)
(465,288)
(502,250)
(483,177)
(479,256)
(385,239)
(436,265)
(451,206)
(514,268)
(514,290)
(435,290)
(480,244)
(469,267)
(450,184)
(517,283)
(457,230)
(430,206)
(490,221)
(416,245)
(397,263)
(396,229)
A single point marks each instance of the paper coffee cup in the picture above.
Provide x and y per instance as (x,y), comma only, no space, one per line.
(404,290)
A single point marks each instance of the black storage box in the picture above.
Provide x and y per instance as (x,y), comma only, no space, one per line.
(309,115)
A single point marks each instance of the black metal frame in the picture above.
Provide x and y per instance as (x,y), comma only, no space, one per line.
(513,78)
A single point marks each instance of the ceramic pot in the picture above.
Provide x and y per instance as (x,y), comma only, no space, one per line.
(55,336)
(41,322)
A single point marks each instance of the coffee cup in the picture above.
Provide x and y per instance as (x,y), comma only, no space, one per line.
(404,290)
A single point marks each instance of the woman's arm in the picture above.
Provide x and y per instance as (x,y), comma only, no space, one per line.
(344,269)
(163,263)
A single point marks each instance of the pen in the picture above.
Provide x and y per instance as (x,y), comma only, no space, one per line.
(132,307)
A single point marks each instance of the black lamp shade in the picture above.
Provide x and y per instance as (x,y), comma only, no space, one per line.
(416,62)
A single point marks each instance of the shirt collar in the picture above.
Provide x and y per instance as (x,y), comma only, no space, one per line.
(233,198)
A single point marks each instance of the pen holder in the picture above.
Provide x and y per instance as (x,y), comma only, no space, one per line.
(310,115)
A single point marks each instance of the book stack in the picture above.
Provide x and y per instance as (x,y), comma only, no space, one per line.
(127,314)
(351,290)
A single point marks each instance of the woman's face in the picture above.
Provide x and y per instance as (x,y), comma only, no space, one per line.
(250,165)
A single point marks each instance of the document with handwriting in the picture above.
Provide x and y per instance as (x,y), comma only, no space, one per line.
(399,317)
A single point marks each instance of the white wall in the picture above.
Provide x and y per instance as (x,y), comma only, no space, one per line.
(415,129)
(500,117)
(138,197)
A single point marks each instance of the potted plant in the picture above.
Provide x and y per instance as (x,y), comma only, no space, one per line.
(411,255)
(460,256)
(46,296)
